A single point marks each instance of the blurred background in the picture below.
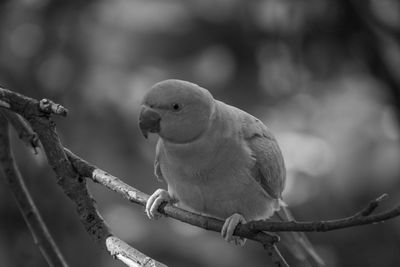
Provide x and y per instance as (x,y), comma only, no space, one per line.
(324,75)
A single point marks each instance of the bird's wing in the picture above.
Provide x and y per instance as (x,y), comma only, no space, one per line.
(157,168)
(269,169)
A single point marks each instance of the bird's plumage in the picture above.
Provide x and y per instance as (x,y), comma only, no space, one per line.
(269,169)
(226,170)
(216,159)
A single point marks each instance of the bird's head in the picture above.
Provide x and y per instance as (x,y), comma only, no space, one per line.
(178,111)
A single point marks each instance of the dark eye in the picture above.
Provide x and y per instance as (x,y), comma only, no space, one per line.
(176,106)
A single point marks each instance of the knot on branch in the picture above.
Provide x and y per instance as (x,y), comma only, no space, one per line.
(49,107)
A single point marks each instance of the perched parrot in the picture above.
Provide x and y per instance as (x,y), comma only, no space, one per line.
(217,160)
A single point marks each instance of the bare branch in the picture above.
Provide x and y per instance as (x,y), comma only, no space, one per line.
(129,255)
(372,206)
(73,184)
(276,256)
(25,132)
(25,202)
(25,106)
(360,218)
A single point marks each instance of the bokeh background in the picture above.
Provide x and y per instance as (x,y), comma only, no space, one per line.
(324,75)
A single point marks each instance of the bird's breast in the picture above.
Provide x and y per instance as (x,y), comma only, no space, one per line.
(218,185)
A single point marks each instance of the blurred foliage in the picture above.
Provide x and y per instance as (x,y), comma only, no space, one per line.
(324,75)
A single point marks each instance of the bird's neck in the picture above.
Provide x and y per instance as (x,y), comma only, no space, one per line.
(206,144)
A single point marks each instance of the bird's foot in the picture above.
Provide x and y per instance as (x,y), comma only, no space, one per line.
(155,200)
(229,227)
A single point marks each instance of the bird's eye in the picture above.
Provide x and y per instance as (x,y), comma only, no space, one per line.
(176,107)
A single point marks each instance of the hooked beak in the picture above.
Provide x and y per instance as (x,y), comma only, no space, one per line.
(149,121)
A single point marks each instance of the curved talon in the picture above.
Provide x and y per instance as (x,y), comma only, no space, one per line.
(229,227)
(155,200)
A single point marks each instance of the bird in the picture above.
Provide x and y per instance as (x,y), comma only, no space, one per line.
(217,160)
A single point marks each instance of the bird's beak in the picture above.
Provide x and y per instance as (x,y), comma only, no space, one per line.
(149,121)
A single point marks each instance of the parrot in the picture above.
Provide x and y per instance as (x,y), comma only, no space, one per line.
(217,160)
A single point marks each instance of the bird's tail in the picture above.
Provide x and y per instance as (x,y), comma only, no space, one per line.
(297,242)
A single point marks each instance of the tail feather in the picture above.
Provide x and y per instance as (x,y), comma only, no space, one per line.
(297,242)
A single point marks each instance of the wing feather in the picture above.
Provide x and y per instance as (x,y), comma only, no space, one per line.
(269,168)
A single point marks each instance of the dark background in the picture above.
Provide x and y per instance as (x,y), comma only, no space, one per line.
(324,75)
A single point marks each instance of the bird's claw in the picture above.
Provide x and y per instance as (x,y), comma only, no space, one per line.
(155,200)
(229,227)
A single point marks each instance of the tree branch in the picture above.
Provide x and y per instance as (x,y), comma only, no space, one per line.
(368,210)
(25,133)
(276,256)
(74,185)
(25,202)
(360,218)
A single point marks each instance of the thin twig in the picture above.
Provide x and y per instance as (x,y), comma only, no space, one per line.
(368,210)
(276,256)
(129,255)
(25,202)
(363,217)
(25,132)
